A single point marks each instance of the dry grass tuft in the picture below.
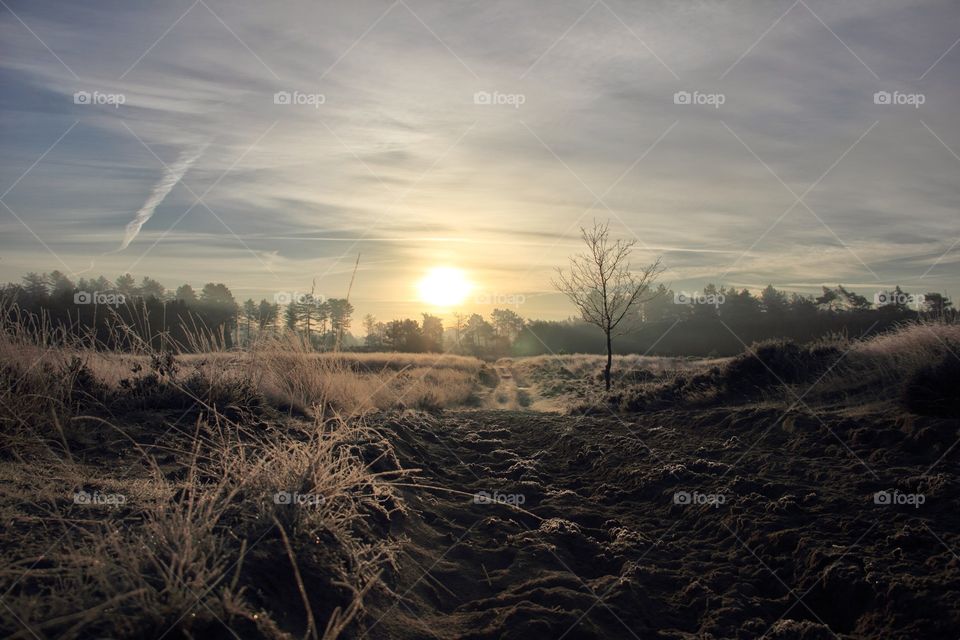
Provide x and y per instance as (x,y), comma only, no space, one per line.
(189,551)
(355,384)
(147,492)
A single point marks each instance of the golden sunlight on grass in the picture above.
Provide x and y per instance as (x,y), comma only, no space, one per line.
(444,287)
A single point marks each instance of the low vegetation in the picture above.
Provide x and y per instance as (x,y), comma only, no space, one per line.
(150,492)
(154,493)
(570,378)
(913,367)
(183,540)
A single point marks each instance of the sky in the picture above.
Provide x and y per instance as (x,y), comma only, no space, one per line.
(266,144)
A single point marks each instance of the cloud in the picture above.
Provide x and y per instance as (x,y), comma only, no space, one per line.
(398,144)
(172,175)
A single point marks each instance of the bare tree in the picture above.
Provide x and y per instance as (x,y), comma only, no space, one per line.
(459,324)
(602,286)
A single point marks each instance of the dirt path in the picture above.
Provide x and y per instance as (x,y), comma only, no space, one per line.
(507,395)
(513,393)
(679,525)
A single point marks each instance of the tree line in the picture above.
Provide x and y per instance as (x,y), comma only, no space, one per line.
(715,320)
(212,317)
(468,334)
(96,308)
(720,321)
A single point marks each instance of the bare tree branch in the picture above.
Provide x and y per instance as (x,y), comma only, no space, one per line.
(601,284)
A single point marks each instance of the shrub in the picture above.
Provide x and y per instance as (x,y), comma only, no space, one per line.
(915,365)
(488,376)
(934,390)
(774,362)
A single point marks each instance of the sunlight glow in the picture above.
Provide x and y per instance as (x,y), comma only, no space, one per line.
(444,287)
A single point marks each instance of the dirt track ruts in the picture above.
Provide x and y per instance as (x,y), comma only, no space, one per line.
(602,547)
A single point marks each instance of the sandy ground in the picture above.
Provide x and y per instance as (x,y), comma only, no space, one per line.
(516,394)
(721,523)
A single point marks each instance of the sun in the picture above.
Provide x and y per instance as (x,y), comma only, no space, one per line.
(444,287)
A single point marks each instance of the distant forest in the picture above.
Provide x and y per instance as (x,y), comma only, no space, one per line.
(721,322)
(184,318)
(714,321)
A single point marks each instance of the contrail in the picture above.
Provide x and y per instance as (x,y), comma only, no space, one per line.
(171,177)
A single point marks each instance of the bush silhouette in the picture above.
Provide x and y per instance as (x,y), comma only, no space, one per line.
(932,390)
(774,362)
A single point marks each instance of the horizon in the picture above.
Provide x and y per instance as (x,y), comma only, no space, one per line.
(483,304)
(798,145)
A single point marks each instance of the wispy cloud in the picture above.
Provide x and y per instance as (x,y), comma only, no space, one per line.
(171,176)
(397,99)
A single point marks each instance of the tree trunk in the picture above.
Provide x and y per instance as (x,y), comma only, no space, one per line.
(606,371)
